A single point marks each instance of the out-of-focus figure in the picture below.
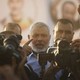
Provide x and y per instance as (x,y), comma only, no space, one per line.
(77,32)
(16,16)
(54,10)
(68,11)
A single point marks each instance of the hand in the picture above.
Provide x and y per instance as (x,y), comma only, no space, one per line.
(27,48)
(25,51)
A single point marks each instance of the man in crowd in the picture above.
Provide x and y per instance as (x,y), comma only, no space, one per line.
(40,35)
(63,30)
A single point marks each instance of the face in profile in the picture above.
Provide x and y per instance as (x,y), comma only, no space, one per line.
(63,31)
(15,6)
(41,37)
(69,11)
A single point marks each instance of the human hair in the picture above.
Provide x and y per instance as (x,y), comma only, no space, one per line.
(40,25)
(65,21)
(13,26)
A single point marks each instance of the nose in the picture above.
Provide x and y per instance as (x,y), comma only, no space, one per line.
(63,35)
(39,38)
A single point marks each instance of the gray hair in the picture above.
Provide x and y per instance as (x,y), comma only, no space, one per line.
(39,24)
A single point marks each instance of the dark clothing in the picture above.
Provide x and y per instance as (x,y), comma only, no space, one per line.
(31,74)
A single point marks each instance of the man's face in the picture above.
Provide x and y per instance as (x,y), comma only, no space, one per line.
(63,31)
(15,6)
(69,11)
(41,37)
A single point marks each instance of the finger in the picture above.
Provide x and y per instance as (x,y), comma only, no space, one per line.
(27,43)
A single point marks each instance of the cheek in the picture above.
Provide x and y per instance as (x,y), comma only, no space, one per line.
(46,40)
(70,36)
(34,41)
(58,35)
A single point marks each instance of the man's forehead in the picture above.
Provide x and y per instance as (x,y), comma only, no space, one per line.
(61,26)
(40,30)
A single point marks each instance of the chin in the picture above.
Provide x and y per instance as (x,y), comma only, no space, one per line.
(39,50)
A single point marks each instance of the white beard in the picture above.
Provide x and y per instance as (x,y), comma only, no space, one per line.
(37,49)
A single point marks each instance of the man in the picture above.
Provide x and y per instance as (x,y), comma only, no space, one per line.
(63,30)
(40,35)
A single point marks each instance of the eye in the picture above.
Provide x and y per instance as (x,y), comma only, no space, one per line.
(44,35)
(60,31)
(35,35)
(68,32)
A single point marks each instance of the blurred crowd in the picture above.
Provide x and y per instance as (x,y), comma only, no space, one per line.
(32,50)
